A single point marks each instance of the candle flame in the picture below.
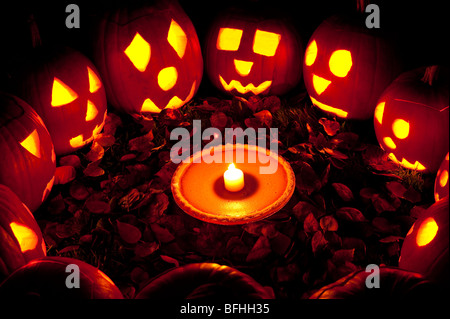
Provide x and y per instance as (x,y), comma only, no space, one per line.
(231,166)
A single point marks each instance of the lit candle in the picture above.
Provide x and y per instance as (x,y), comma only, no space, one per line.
(233,178)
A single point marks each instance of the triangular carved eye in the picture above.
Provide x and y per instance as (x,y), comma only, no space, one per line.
(26,237)
(177,38)
(32,144)
(139,52)
(61,93)
(94,82)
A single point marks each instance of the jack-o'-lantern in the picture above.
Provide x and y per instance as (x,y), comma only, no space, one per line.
(21,238)
(64,88)
(425,248)
(347,66)
(149,57)
(50,278)
(27,157)
(441,182)
(412,120)
(249,53)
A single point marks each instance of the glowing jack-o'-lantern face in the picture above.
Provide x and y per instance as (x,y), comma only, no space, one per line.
(425,249)
(64,88)
(441,182)
(249,55)
(21,236)
(412,121)
(150,58)
(346,68)
(28,160)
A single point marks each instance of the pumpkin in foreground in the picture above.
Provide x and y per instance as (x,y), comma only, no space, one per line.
(53,278)
(27,157)
(20,236)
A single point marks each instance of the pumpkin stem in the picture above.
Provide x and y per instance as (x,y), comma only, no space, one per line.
(431,74)
(361,5)
(34,30)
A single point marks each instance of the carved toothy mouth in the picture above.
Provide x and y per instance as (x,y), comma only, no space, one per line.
(234,84)
(78,141)
(405,163)
(148,106)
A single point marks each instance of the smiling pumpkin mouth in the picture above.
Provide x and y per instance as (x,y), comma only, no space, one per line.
(148,106)
(405,163)
(234,84)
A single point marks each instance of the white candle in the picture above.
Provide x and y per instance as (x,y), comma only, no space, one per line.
(233,179)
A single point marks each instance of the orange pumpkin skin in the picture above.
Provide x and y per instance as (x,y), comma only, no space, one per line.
(423,112)
(45,278)
(244,64)
(425,248)
(441,182)
(65,89)
(347,66)
(27,160)
(137,54)
(20,236)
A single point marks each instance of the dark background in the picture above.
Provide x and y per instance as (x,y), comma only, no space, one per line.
(420,29)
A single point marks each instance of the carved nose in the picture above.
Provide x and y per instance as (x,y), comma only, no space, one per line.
(320,84)
(243,67)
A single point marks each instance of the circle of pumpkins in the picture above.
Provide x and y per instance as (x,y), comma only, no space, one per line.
(148,59)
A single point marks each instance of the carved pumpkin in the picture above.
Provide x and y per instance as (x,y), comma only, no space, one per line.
(149,57)
(412,121)
(64,88)
(202,280)
(20,236)
(425,249)
(251,54)
(45,278)
(27,157)
(441,182)
(347,66)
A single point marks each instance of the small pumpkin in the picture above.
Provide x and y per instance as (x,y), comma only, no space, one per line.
(441,182)
(203,280)
(65,89)
(27,157)
(347,66)
(425,248)
(411,119)
(149,57)
(250,53)
(46,278)
(20,236)
(394,283)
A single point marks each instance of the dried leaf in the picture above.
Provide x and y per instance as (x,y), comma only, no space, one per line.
(64,175)
(271,103)
(342,256)
(142,143)
(350,214)
(105,140)
(383,225)
(93,170)
(70,160)
(144,249)
(310,224)
(264,117)
(170,260)
(219,120)
(328,223)
(129,233)
(127,157)
(382,205)
(318,242)
(302,209)
(331,127)
(96,153)
(162,234)
(396,188)
(343,191)
(260,250)
(97,207)
(78,191)
(306,179)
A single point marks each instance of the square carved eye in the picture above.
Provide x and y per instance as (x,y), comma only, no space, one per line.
(229,39)
(177,38)
(266,43)
(139,52)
